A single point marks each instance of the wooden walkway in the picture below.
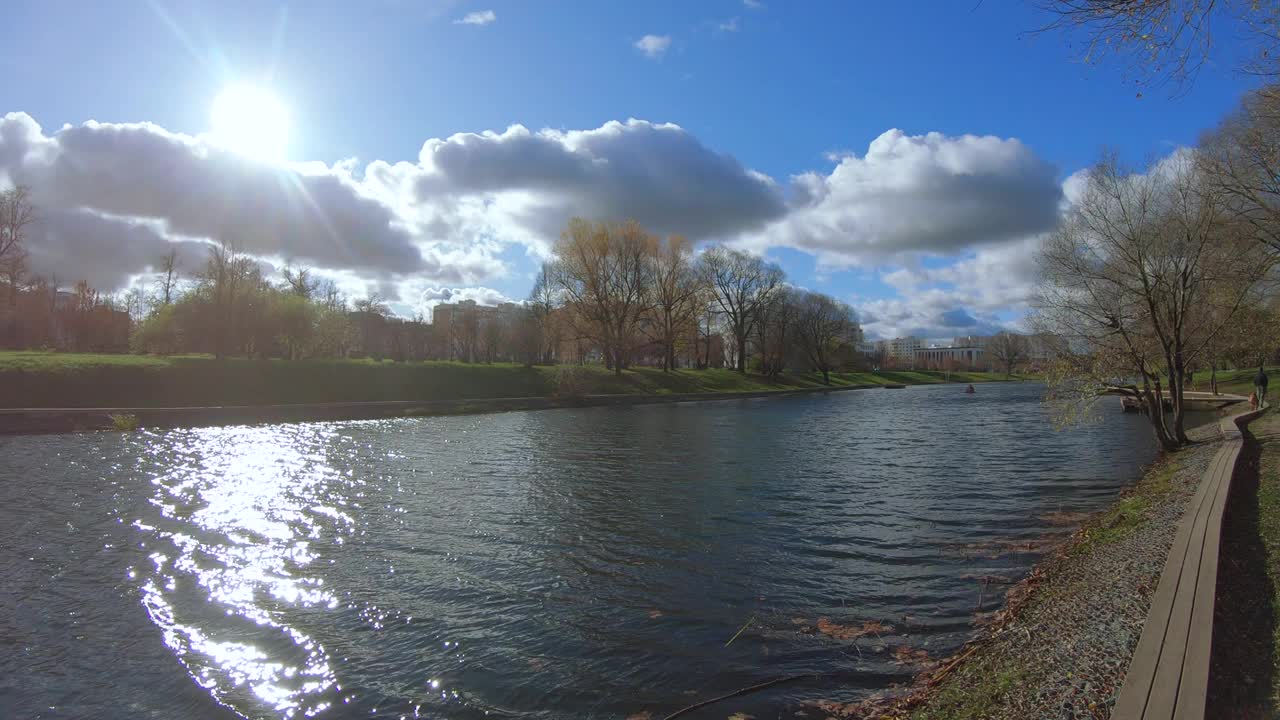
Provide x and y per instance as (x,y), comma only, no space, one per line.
(1168,677)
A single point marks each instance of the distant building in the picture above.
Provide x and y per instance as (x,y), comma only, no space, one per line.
(950,358)
(904,348)
(974,341)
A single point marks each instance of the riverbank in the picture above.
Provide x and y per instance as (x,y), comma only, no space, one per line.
(1063,640)
(70,380)
(54,392)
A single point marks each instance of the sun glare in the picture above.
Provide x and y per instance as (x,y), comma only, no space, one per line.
(251,121)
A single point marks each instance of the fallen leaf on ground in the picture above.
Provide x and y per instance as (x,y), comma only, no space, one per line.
(852,632)
(903,655)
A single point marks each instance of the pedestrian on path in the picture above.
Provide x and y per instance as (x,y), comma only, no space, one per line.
(1260,386)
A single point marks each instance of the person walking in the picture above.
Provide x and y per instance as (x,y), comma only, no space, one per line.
(1260,386)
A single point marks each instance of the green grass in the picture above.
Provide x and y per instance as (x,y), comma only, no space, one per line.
(974,693)
(1238,382)
(42,379)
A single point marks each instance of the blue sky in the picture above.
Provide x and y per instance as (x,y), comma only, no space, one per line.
(782,88)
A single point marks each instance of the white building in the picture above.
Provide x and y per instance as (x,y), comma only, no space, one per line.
(904,348)
(947,358)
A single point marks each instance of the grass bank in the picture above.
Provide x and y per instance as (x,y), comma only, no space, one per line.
(45,380)
(1238,382)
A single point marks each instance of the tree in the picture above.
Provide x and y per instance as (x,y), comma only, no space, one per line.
(1241,161)
(1141,276)
(541,307)
(13,270)
(740,284)
(1166,40)
(677,295)
(823,324)
(300,282)
(168,281)
(776,330)
(1008,349)
(605,272)
(17,213)
(225,278)
(526,331)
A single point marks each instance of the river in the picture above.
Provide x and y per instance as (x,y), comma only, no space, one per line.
(580,563)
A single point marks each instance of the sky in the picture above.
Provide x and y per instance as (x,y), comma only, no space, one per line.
(906,158)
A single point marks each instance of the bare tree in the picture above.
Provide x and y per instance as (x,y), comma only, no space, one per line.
(1008,349)
(168,280)
(776,330)
(543,302)
(13,268)
(677,295)
(1165,40)
(17,213)
(740,284)
(604,270)
(1241,161)
(1127,285)
(300,281)
(824,324)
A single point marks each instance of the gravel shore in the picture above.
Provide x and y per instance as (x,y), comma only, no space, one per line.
(1060,647)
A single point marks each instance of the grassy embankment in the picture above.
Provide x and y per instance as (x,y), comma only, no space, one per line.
(36,379)
(1238,382)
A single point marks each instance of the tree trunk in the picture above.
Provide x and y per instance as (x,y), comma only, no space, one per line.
(826,376)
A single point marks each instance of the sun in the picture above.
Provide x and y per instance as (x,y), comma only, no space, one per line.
(251,121)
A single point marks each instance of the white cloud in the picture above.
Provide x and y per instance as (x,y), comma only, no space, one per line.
(533,182)
(753,4)
(113,198)
(479,17)
(730,25)
(918,193)
(653,46)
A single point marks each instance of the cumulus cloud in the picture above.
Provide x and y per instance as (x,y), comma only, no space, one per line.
(189,188)
(730,25)
(653,46)
(479,17)
(658,174)
(965,297)
(919,193)
(114,198)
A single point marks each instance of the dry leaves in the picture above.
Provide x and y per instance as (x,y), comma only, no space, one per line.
(852,632)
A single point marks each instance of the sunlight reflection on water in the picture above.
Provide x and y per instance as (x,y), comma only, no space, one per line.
(251,500)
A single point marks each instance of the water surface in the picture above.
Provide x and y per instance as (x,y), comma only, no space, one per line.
(588,563)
